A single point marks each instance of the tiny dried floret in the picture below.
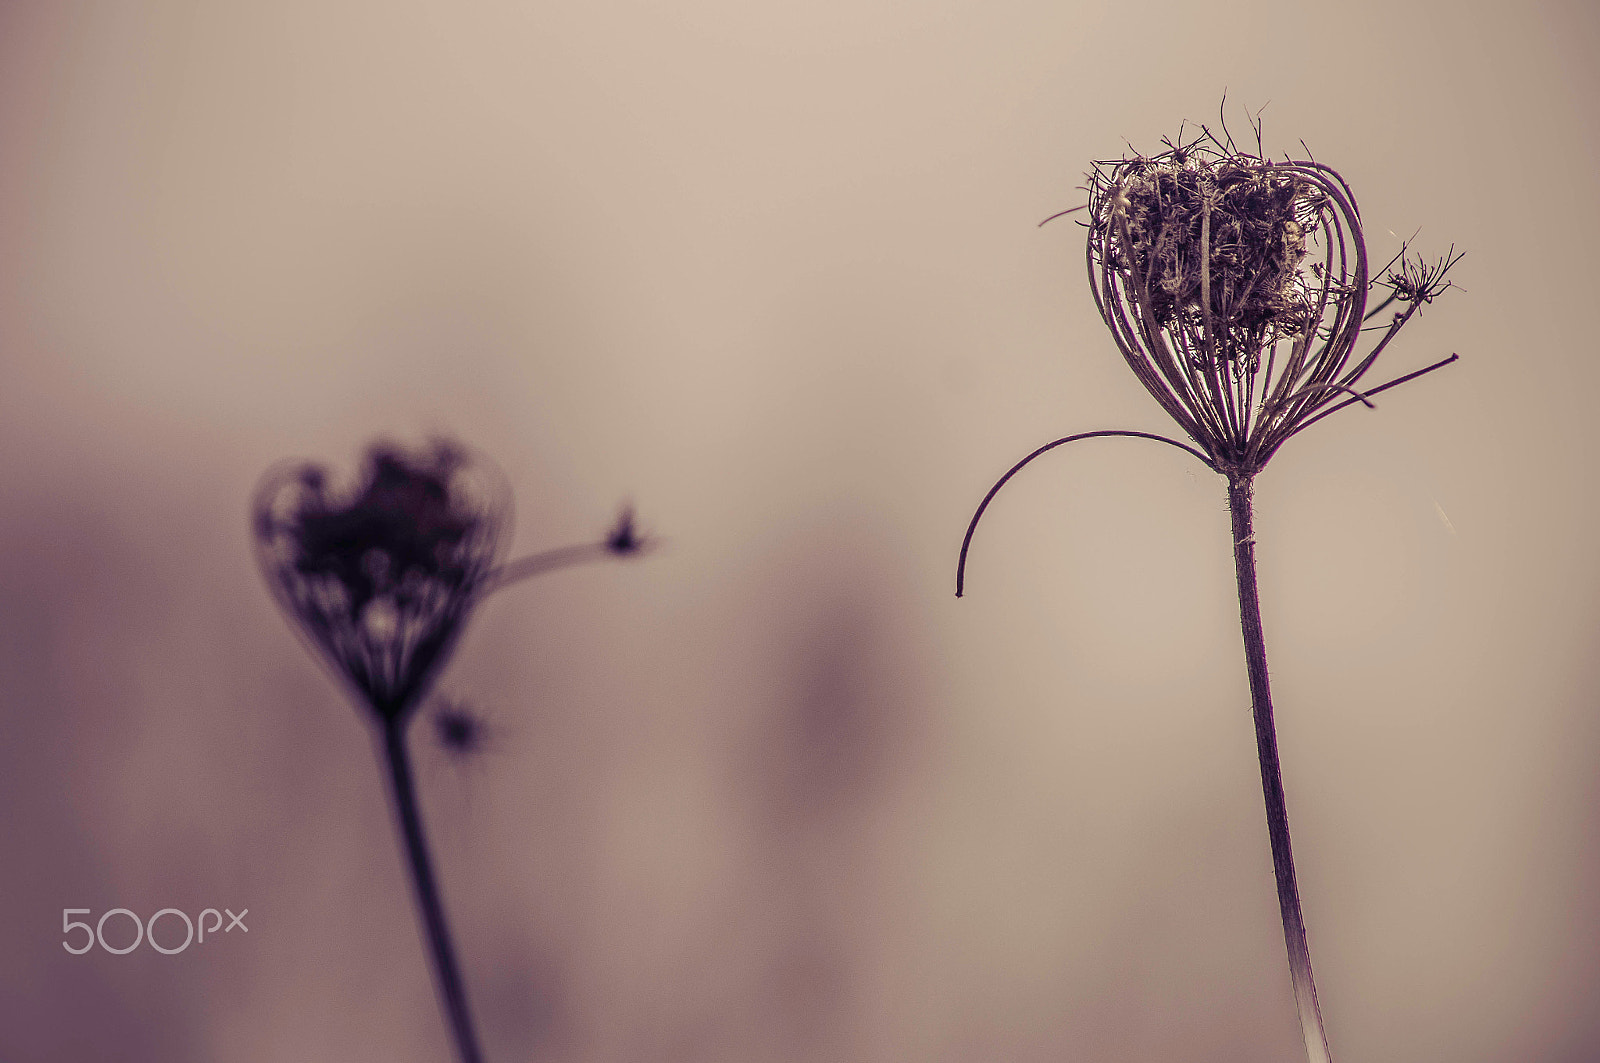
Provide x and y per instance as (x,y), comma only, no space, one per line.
(1413,279)
(624,537)
(460,730)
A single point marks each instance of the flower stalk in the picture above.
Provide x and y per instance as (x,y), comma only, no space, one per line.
(446,970)
(381,581)
(1236,289)
(1240,491)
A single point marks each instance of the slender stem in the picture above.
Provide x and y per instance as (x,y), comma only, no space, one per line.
(542,562)
(1255,656)
(1396,382)
(445,969)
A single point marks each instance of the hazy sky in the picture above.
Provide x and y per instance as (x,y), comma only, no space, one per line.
(773,272)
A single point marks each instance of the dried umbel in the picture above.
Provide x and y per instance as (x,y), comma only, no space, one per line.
(1236,289)
(382,576)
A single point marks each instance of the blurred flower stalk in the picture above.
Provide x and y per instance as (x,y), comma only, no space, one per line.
(381,579)
(1236,289)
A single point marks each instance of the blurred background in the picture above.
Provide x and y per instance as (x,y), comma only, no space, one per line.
(772,271)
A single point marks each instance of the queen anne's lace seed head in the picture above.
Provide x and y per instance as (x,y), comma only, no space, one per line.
(1236,288)
(381,577)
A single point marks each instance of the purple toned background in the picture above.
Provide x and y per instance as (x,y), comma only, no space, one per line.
(772,793)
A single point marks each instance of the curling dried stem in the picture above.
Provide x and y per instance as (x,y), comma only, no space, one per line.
(446,970)
(966,540)
(1255,655)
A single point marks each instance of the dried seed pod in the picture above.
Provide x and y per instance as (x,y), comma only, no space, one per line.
(381,578)
(1236,289)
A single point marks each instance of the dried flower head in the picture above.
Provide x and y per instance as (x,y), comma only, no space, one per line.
(1236,288)
(382,577)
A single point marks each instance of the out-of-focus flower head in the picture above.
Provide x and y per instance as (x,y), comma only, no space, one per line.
(381,577)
